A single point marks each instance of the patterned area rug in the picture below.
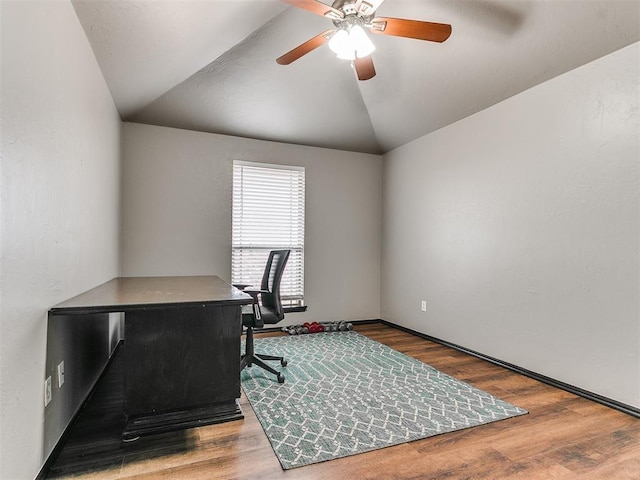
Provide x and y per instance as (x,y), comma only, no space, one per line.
(346,394)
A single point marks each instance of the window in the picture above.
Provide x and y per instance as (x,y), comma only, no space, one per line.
(268,214)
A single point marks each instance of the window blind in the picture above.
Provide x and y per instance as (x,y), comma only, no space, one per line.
(268,214)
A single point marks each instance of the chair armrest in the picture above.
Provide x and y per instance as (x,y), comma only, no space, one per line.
(255,307)
(241,286)
(251,291)
(257,315)
(254,292)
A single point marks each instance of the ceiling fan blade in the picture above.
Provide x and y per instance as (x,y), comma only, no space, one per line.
(364,68)
(305,48)
(400,27)
(367,7)
(317,7)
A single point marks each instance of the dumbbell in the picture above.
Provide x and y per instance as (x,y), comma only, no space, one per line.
(289,330)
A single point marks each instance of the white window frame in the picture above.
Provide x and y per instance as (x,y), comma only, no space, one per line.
(281,202)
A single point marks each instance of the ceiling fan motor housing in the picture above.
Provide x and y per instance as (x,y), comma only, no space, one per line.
(351,14)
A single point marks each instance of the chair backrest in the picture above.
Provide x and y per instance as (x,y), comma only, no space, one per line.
(271,281)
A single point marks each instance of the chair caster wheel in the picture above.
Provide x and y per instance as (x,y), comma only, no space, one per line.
(283,362)
(280,378)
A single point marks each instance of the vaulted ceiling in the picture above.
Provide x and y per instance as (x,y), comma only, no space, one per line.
(209,65)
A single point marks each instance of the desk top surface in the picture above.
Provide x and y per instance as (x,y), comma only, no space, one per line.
(125,293)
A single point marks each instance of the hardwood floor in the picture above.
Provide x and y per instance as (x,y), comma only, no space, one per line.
(563,437)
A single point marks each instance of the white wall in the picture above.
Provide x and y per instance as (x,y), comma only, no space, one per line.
(176,214)
(60,203)
(520,227)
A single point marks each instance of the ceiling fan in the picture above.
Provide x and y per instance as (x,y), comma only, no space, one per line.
(349,40)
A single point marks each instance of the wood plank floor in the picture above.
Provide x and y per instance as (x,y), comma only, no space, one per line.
(563,437)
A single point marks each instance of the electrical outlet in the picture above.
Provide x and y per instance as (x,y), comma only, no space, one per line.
(61,374)
(47,391)
(423,305)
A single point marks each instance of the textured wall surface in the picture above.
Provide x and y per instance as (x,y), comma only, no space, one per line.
(519,226)
(60,205)
(176,214)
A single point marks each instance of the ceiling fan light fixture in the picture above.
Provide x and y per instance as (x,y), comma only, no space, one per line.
(361,42)
(340,44)
(348,45)
(347,55)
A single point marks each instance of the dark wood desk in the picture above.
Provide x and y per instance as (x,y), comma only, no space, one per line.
(182,348)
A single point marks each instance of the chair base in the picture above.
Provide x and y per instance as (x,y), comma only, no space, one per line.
(250,358)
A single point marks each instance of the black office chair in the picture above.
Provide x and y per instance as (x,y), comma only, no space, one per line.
(266,308)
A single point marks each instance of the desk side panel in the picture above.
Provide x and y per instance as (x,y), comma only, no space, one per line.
(181,358)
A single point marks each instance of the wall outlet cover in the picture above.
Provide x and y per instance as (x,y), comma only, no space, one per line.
(61,374)
(47,391)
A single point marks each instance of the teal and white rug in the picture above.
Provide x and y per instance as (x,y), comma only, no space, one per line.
(346,394)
